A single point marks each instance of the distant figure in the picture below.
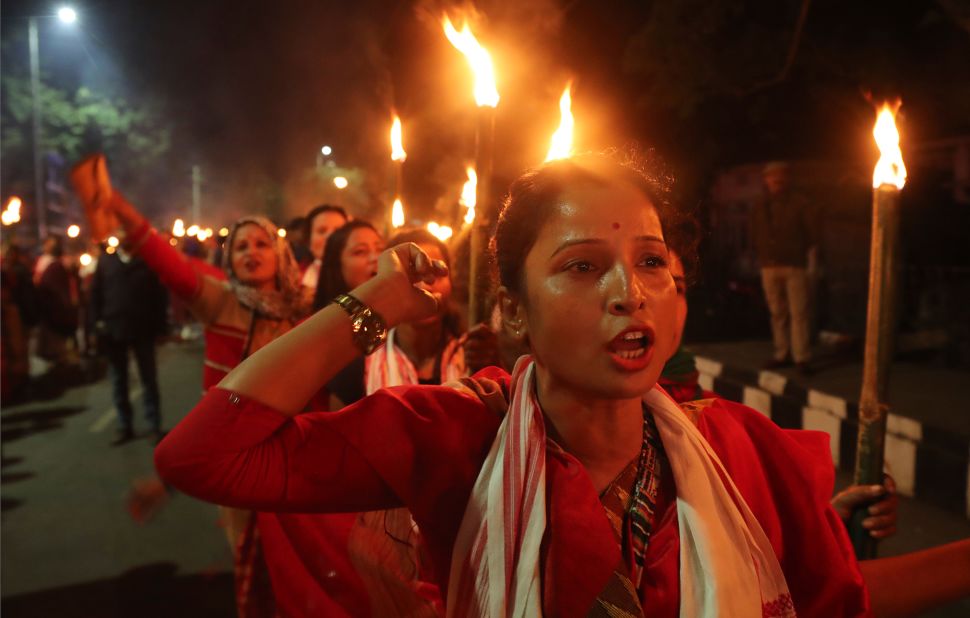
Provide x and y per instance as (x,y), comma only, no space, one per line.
(296,235)
(55,301)
(128,308)
(321,222)
(783,230)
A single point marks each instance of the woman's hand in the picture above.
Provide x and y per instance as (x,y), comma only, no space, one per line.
(394,292)
(882,503)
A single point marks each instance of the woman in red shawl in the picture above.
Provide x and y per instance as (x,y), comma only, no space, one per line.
(573,487)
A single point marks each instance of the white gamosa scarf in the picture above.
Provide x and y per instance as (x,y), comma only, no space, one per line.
(389,366)
(727,565)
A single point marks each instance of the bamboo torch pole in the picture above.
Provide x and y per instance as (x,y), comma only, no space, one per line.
(484,149)
(888,178)
(486,98)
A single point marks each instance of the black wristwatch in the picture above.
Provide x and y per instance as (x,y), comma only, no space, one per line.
(370,330)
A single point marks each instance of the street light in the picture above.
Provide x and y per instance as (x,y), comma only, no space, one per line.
(68,16)
(340,182)
(326,150)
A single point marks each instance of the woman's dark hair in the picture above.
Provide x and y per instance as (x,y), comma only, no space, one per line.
(421,236)
(331,281)
(319,210)
(532,196)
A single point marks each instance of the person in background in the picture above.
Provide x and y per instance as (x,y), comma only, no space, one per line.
(297,237)
(321,222)
(261,300)
(784,233)
(128,306)
(56,303)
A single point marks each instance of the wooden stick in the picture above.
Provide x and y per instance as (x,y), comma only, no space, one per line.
(880,333)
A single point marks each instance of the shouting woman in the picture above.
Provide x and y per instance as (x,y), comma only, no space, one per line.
(574,486)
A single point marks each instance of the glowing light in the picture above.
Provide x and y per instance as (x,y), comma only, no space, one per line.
(340,182)
(73,231)
(85,259)
(397,213)
(326,150)
(109,250)
(223,232)
(11,212)
(397,144)
(486,94)
(178,228)
(441,232)
(561,146)
(469,195)
(193,230)
(113,241)
(173,242)
(890,169)
(281,233)
(67,15)
(208,232)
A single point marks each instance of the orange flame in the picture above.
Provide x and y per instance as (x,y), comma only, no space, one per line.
(561,146)
(890,169)
(486,94)
(469,195)
(397,146)
(178,228)
(441,232)
(397,213)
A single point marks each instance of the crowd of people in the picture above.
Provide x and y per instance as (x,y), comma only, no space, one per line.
(372,453)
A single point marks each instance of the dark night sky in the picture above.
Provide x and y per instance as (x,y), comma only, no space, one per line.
(255,88)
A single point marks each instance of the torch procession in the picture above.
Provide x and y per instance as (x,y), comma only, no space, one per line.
(658,392)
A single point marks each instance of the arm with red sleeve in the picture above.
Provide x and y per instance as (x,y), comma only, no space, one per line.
(387,450)
(203,294)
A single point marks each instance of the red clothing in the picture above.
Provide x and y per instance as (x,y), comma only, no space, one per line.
(422,447)
(232,331)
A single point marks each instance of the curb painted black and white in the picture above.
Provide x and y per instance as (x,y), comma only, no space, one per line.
(927,463)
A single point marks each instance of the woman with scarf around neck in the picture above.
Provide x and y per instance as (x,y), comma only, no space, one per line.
(261,300)
(573,487)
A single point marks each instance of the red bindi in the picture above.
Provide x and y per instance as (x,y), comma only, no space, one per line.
(616,226)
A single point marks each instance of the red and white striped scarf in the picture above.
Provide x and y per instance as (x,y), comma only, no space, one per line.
(389,366)
(725,555)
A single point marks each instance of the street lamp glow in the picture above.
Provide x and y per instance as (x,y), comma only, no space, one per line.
(193,230)
(73,231)
(67,15)
(326,150)
(340,182)
(223,232)
(85,259)
(113,241)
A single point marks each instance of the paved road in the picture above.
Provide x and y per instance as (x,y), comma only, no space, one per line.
(69,546)
(70,549)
